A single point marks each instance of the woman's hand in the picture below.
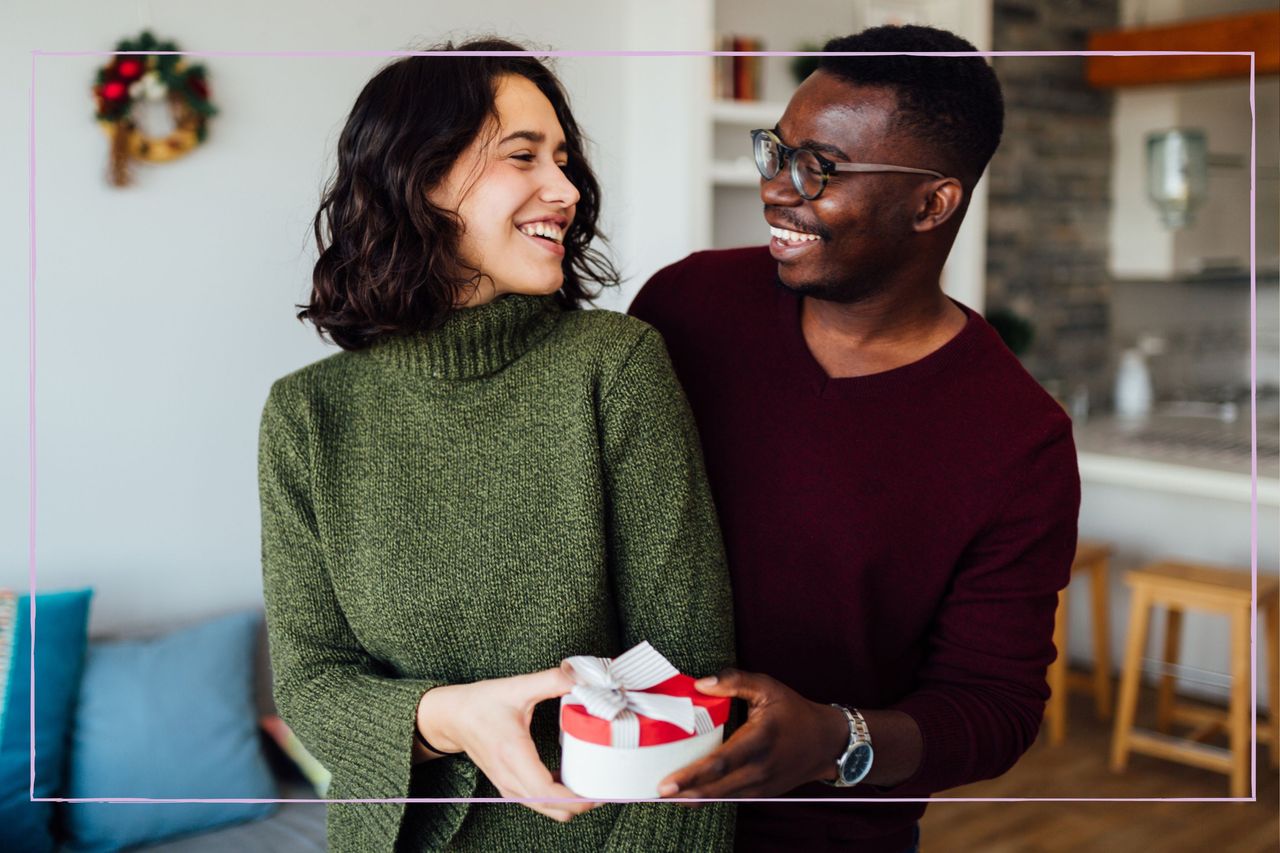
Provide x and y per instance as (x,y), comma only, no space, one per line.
(489,721)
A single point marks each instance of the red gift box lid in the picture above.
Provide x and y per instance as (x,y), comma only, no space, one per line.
(575,720)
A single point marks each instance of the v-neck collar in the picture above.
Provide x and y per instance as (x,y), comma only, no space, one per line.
(789,307)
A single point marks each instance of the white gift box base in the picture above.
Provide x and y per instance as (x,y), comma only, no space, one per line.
(591,770)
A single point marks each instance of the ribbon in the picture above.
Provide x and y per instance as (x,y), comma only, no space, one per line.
(613,689)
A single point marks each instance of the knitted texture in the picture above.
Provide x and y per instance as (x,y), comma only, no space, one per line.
(484,500)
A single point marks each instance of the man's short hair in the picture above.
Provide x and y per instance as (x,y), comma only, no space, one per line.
(952,103)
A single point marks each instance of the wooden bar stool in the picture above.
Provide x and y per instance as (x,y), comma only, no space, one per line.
(1094,558)
(1180,587)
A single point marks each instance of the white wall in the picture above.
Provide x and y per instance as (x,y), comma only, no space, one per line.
(164,310)
(653,201)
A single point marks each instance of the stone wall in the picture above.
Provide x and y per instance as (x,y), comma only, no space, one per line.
(1049,191)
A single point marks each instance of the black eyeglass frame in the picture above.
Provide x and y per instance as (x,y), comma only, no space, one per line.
(786,152)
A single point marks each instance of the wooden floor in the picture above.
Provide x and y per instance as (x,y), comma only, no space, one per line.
(1078,768)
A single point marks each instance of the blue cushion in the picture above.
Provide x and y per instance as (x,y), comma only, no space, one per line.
(168,718)
(61,630)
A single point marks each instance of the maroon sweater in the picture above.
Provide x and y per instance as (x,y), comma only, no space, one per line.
(895,540)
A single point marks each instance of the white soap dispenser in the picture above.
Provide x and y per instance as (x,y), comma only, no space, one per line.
(1133,379)
(1133,385)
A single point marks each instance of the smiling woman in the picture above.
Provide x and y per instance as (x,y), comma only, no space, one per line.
(484,482)
(441,161)
(515,196)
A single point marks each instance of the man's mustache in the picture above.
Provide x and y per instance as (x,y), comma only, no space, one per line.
(784,215)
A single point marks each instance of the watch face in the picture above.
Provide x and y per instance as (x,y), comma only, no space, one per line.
(856,765)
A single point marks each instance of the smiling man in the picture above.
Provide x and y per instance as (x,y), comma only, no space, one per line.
(898,496)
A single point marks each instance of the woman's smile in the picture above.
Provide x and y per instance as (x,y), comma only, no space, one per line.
(548,234)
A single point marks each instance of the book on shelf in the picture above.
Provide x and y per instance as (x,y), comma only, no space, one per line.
(738,78)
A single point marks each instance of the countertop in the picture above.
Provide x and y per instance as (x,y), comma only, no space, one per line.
(1192,455)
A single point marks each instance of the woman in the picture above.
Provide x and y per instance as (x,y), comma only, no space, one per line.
(485,481)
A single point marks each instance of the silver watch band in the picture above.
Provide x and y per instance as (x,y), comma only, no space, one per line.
(860,725)
(859,733)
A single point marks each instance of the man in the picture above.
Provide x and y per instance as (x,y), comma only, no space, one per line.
(898,496)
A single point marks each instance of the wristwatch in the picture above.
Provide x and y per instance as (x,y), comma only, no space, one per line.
(854,763)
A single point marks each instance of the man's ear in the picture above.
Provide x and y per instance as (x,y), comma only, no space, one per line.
(942,200)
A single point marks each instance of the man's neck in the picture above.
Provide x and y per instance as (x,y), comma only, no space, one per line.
(880,334)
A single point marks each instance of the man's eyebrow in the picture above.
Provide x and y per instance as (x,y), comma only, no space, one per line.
(823,148)
(815,145)
(533,136)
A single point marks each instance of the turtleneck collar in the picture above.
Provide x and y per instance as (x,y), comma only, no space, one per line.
(473,342)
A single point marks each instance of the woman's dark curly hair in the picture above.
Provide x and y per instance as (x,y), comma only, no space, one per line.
(389,261)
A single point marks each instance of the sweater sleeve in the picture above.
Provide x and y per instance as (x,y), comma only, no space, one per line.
(667,561)
(349,709)
(981,693)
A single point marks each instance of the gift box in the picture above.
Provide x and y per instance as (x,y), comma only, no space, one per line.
(632,720)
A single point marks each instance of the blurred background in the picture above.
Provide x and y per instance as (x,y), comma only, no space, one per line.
(1109,243)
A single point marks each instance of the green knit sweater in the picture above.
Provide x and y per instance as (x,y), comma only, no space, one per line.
(521,485)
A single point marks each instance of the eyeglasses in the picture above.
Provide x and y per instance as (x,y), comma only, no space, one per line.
(810,171)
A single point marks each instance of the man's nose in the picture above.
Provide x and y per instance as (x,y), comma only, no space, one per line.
(779,189)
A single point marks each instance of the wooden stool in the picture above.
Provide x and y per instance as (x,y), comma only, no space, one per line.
(1093,557)
(1179,587)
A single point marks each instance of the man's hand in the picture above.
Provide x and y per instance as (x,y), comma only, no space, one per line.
(785,742)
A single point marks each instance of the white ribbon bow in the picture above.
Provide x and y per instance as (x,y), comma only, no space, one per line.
(613,689)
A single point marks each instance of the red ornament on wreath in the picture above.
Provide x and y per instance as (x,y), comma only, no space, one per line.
(135,78)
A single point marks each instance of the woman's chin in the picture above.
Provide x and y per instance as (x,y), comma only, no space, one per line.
(535,288)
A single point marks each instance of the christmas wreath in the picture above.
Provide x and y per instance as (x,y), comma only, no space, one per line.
(133,77)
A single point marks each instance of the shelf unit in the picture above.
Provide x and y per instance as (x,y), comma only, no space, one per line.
(749,114)
(728,170)
(735,173)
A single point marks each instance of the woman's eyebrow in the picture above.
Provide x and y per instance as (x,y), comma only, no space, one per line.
(532,136)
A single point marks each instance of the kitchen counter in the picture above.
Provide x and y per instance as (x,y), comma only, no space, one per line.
(1191,455)
(1176,487)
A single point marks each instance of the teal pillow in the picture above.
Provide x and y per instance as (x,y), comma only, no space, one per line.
(168,718)
(61,630)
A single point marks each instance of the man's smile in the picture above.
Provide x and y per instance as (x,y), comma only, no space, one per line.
(788,245)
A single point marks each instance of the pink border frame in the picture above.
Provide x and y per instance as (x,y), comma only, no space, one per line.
(1253,392)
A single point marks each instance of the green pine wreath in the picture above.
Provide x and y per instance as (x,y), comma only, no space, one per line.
(133,76)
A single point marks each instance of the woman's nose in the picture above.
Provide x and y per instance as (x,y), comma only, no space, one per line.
(558,189)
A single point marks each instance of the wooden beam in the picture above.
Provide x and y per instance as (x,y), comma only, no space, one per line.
(1177,749)
(1256,31)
